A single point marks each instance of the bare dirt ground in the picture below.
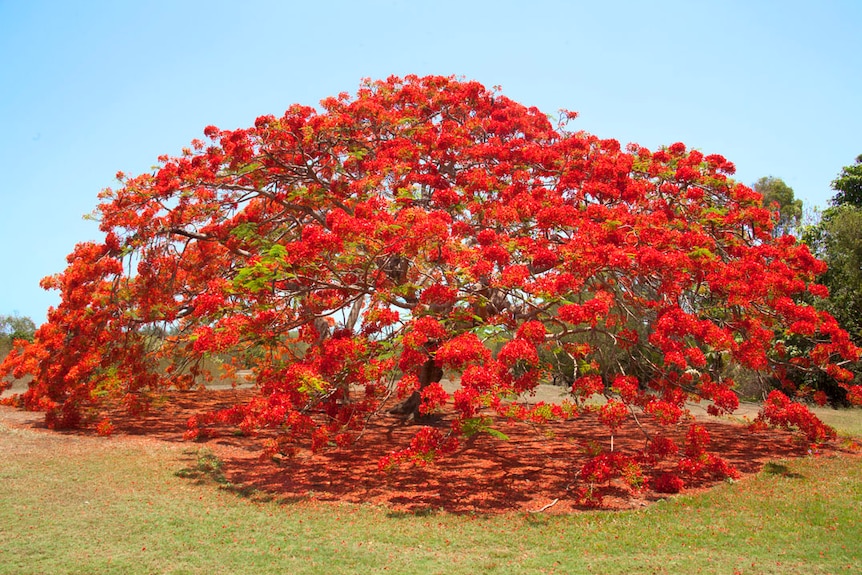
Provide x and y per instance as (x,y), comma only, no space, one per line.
(536,467)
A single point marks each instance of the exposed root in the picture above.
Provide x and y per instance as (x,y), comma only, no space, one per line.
(544,508)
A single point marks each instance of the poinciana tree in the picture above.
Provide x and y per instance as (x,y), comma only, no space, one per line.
(349,255)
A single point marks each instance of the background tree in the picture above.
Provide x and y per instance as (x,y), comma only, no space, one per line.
(351,255)
(841,244)
(848,185)
(12,328)
(837,239)
(778,195)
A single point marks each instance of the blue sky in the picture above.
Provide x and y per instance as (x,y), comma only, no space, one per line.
(93,87)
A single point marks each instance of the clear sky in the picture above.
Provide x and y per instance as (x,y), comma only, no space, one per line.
(91,87)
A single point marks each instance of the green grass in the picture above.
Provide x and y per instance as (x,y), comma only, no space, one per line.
(846,421)
(71,504)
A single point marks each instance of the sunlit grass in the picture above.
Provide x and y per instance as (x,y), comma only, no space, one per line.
(72,504)
(846,421)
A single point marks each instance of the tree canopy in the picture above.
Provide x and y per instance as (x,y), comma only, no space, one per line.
(350,256)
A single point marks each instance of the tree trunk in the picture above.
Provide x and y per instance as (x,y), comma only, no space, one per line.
(429,373)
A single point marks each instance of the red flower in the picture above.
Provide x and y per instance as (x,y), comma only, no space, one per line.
(462,350)
(532,331)
(433,397)
(613,413)
(516,351)
(668,483)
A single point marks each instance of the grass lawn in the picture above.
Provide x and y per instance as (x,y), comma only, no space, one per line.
(88,505)
(847,421)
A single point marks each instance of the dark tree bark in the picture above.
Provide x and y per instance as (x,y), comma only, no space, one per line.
(429,373)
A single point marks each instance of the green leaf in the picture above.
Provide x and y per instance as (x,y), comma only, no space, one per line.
(701,253)
(277,251)
(358,153)
(244,231)
(312,385)
(474,425)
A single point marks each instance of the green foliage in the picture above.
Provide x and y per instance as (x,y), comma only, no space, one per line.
(777,193)
(837,240)
(475,425)
(14,327)
(848,184)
